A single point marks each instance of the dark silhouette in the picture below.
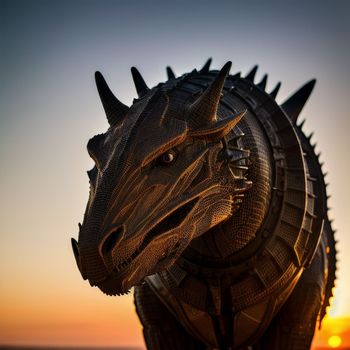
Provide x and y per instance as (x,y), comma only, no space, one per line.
(208,198)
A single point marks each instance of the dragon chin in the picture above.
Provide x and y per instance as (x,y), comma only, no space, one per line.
(109,287)
(113,285)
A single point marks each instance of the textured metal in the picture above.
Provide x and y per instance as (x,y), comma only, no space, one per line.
(210,200)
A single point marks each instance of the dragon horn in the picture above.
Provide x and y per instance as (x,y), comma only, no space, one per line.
(251,75)
(274,92)
(219,129)
(141,87)
(206,67)
(170,73)
(115,110)
(203,110)
(293,106)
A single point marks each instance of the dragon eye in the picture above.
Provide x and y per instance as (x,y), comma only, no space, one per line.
(168,157)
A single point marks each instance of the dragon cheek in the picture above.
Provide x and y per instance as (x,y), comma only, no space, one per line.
(156,255)
(130,280)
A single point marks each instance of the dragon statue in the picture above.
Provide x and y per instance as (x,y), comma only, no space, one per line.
(207,197)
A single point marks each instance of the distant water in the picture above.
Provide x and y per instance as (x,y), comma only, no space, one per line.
(43,347)
(15,347)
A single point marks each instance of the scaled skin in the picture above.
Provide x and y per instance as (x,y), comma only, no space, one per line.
(171,173)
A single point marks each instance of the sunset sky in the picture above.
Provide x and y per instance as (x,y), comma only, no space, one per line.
(50,108)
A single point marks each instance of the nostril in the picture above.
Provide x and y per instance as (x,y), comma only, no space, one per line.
(112,240)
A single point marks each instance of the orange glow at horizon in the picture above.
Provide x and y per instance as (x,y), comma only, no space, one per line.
(89,319)
(94,319)
(335,333)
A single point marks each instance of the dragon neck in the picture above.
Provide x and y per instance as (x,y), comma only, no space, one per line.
(223,241)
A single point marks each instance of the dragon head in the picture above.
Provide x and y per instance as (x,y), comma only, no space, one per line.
(162,177)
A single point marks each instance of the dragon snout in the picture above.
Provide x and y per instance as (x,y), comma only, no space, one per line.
(95,263)
(91,265)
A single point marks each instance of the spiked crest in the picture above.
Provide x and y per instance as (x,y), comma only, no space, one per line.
(296,102)
(262,84)
(274,92)
(251,75)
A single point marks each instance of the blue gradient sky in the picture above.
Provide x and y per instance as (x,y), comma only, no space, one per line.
(50,108)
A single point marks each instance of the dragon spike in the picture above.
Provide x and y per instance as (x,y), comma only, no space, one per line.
(170,73)
(301,124)
(206,67)
(296,102)
(236,76)
(251,75)
(202,112)
(262,84)
(274,92)
(141,86)
(115,110)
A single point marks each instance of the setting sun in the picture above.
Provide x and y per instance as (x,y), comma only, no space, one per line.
(334,334)
(334,341)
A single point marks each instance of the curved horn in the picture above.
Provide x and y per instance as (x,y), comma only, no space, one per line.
(141,86)
(170,73)
(203,110)
(296,102)
(206,67)
(219,129)
(115,110)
